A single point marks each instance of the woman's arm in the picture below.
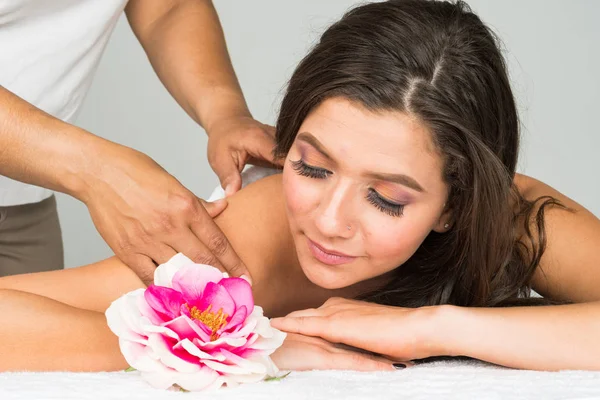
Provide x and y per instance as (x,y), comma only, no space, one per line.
(41,334)
(540,338)
(92,287)
(570,266)
(552,337)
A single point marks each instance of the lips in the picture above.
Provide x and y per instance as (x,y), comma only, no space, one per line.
(328,257)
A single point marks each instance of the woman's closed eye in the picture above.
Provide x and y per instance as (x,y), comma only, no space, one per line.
(386,206)
(309,171)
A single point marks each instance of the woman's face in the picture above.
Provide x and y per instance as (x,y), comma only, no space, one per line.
(362,192)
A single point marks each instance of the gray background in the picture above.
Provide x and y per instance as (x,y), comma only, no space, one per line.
(552,49)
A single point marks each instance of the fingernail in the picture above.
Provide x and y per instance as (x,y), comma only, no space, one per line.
(228,190)
(247,279)
(399,365)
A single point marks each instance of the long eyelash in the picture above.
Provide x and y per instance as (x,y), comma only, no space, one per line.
(306,170)
(395,210)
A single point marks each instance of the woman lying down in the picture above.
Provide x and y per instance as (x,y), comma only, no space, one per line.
(398,199)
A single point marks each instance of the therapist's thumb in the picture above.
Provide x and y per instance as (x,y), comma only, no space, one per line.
(232,183)
(214,208)
(229,176)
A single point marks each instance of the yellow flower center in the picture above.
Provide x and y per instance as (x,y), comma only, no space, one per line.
(213,321)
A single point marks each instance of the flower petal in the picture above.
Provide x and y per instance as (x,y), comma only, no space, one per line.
(163,274)
(164,350)
(241,292)
(220,342)
(247,328)
(191,280)
(255,365)
(205,379)
(216,296)
(269,345)
(186,328)
(140,357)
(227,369)
(165,301)
(123,317)
(162,330)
(191,348)
(236,320)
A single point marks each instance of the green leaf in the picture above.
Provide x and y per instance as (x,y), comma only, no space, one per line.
(277,378)
(180,389)
(130,369)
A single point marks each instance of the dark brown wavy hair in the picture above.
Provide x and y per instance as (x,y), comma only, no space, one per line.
(436,60)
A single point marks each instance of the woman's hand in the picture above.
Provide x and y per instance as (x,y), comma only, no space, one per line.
(302,353)
(394,332)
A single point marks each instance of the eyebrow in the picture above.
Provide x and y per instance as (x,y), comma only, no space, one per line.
(314,142)
(401,179)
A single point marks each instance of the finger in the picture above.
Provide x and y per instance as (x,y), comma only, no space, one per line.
(309,326)
(359,362)
(212,237)
(189,245)
(161,253)
(309,312)
(229,173)
(214,208)
(232,183)
(261,148)
(142,266)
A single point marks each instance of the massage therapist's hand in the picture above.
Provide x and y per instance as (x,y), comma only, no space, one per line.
(303,353)
(236,141)
(394,332)
(146,216)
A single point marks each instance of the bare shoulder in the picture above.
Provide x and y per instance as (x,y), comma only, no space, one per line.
(570,266)
(255,224)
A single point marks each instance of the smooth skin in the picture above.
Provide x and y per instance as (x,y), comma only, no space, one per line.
(143,213)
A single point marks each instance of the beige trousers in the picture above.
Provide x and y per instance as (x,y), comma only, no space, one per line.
(30,238)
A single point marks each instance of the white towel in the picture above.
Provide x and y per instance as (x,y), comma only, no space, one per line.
(440,380)
(251,174)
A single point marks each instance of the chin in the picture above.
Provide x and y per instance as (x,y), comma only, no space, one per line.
(323,276)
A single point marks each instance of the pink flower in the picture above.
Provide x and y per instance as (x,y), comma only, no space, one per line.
(194,327)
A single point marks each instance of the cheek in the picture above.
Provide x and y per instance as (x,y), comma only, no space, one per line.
(390,245)
(300,195)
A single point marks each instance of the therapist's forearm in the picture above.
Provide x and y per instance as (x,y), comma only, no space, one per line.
(187,49)
(537,337)
(39,149)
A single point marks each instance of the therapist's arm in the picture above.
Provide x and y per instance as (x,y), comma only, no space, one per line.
(184,42)
(39,149)
(143,213)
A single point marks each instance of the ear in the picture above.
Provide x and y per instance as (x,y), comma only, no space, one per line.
(444,223)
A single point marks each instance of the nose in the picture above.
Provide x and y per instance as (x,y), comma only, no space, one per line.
(334,214)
